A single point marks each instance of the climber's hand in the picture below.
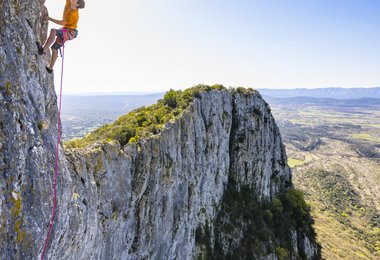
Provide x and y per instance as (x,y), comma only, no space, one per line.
(60,22)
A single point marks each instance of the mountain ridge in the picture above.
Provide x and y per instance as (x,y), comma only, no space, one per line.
(336,93)
(363,101)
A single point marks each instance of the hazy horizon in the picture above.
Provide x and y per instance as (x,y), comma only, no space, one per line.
(149,46)
(131,93)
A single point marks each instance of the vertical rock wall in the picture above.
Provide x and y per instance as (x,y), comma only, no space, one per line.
(147,200)
(28,119)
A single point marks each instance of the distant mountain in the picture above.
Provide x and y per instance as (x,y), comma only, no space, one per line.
(358,102)
(335,93)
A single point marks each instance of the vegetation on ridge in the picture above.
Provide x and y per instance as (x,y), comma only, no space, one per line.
(144,121)
(266,226)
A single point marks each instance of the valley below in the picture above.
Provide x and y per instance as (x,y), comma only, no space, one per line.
(334,153)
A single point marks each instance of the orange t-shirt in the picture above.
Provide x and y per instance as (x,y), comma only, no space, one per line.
(70,16)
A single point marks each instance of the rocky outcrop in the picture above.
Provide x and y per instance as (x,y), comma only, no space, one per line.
(162,198)
(28,119)
(146,200)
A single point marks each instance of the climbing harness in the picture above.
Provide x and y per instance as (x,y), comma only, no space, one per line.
(67,35)
(54,208)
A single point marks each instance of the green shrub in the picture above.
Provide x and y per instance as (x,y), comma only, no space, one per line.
(74,143)
(170,99)
(267,214)
(260,222)
(277,206)
(294,201)
(145,121)
(40,125)
(282,253)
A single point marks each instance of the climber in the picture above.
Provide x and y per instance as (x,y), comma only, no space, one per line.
(68,32)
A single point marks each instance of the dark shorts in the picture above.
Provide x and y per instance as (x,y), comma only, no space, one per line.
(69,34)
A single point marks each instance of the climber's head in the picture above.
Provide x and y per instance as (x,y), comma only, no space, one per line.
(81,4)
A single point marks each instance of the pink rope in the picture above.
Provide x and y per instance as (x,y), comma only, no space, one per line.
(56,156)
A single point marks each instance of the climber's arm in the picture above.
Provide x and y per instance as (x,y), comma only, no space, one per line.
(60,22)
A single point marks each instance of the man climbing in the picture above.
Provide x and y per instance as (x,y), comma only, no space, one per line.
(68,32)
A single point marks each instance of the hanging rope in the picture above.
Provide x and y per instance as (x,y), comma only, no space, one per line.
(56,155)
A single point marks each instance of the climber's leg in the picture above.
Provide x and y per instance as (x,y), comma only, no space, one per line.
(54,55)
(50,39)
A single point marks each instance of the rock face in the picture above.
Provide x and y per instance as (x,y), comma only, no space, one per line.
(153,200)
(28,119)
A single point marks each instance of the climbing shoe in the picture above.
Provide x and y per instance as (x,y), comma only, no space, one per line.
(50,71)
(40,48)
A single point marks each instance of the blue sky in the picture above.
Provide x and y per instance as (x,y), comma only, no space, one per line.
(151,46)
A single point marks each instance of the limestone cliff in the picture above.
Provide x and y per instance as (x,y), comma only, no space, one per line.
(212,184)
